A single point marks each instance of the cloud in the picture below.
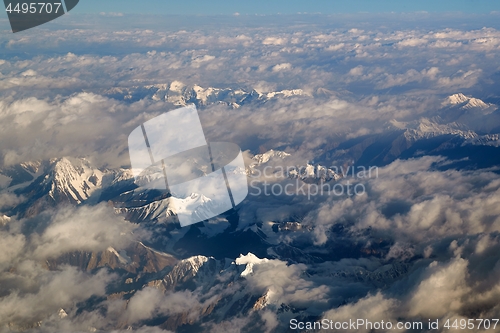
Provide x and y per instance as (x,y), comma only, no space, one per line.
(412,42)
(111,14)
(274,41)
(410,76)
(373,308)
(285,285)
(12,247)
(447,285)
(151,302)
(461,79)
(356,71)
(83,229)
(46,292)
(82,124)
(282,67)
(335,47)
(438,203)
(30,292)
(10,200)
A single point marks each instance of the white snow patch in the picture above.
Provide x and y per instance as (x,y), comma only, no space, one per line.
(249,260)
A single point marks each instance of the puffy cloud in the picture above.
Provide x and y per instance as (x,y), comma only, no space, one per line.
(410,76)
(83,124)
(461,79)
(9,200)
(412,42)
(151,302)
(356,71)
(30,292)
(282,67)
(12,246)
(274,41)
(447,285)
(433,203)
(83,229)
(374,308)
(43,292)
(285,284)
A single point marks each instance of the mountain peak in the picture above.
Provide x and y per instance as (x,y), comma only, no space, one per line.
(465,102)
(456,99)
(249,260)
(426,128)
(74,179)
(267,156)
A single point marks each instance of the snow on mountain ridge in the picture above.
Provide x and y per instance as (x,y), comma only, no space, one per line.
(465,102)
(484,140)
(456,99)
(160,210)
(181,94)
(308,172)
(250,260)
(120,258)
(267,156)
(286,93)
(48,183)
(425,128)
(196,262)
(313,173)
(77,182)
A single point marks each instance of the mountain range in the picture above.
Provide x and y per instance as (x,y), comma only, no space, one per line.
(216,258)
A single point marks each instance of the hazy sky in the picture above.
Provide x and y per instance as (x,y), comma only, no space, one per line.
(285,6)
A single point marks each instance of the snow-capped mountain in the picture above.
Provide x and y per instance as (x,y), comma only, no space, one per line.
(250,260)
(313,173)
(180,94)
(260,159)
(469,111)
(230,278)
(160,210)
(484,140)
(425,128)
(136,259)
(207,258)
(282,167)
(46,184)
(205,274)
(466,103)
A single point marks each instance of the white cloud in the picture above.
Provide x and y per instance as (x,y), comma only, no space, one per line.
(10,200)
(151,302)
(46,292)
(274,41)
(374,308)
(447,285)
(282,67)
(111,14)
(83,229)
(356,71)
(412,42)
(285,284)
